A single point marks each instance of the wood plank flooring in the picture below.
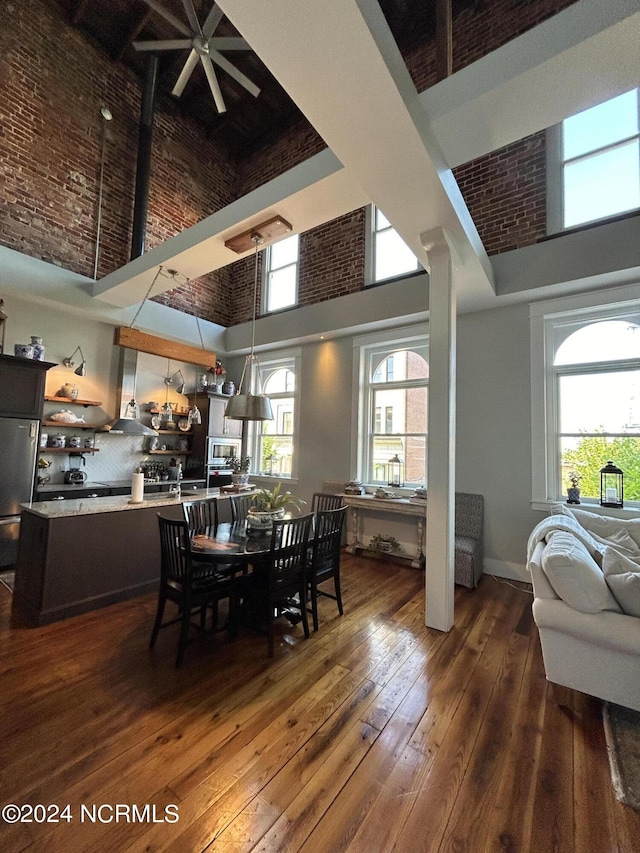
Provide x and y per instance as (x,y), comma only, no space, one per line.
(375,735)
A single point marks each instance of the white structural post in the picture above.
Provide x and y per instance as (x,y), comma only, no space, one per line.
(439,550)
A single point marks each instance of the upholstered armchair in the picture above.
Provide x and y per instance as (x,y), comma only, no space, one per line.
(469,519)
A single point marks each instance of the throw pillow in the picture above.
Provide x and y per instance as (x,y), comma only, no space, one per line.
(624,532)
(575,576)
(623,578)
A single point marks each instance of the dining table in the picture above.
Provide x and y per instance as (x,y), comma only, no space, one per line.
(243,554)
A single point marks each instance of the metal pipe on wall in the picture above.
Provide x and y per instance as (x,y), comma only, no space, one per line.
(143,168)
(105,112)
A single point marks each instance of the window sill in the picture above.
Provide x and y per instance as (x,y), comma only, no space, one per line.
(627,511)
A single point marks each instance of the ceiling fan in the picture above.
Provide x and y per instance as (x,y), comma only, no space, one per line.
(204,47)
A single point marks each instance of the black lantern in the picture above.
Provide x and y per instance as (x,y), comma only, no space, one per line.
(396,471)
(611,486)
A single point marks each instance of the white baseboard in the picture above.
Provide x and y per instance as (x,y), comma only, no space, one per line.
(503,569)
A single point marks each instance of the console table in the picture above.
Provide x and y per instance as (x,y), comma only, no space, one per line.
(402,506)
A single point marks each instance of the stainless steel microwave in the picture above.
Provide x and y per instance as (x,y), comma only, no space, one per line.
(220,449)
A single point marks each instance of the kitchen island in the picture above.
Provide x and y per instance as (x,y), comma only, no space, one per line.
(81,554)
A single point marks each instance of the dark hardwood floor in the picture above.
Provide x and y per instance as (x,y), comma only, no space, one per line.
(375,735)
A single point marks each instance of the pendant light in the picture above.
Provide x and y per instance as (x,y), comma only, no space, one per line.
(249,403)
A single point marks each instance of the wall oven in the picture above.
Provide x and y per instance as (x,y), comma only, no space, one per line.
(219,450)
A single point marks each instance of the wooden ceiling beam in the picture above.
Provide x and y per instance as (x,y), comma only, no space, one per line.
(132,338)
(444,39)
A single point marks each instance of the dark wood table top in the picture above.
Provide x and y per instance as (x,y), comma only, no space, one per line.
(230,542)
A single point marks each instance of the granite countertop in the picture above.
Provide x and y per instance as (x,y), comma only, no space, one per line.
(93,506)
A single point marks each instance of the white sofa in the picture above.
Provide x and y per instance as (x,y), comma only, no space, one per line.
(577,561)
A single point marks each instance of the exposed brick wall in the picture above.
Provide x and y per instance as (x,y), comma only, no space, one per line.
(52,84)
(325,275)
(506,194)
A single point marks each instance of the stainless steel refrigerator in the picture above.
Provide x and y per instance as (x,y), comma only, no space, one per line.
(18,451)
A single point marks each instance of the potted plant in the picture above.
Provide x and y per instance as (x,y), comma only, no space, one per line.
(573,491)
(380,544)
(269,506)
(240,469)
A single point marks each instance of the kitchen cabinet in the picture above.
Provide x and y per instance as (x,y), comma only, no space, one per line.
(22,381)
(217,424)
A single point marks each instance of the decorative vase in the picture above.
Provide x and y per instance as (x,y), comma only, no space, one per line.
(23,350)
(241,478)
(573,495)
(260,520)
(38,348)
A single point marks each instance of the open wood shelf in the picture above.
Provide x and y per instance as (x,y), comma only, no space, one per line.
(73,450)
(58,424)
(77,401)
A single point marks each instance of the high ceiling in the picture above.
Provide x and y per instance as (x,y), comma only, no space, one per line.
(249,121)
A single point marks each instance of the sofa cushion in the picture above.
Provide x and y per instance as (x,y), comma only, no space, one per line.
(622,532)
(575,575)
(623,577)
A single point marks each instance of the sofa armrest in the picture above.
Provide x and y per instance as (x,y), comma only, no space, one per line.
(541,586)
(615,631)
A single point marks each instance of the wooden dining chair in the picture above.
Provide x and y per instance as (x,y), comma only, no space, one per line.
(201,515)
(324,562)
(240,505)
(189,584)
(325,500)
(283,585)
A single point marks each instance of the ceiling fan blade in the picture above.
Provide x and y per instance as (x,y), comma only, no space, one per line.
(187,71)
(232,71)
(213,84)
(167,44)
(229,43)
(194,23)
(177,23)
(212,20)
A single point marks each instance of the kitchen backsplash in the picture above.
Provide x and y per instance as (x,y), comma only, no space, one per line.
(117,458)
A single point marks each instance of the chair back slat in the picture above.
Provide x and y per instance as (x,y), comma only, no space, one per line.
(240,505)
(201,515)
(174,548)
(288,550)
(325,500)
(327,539)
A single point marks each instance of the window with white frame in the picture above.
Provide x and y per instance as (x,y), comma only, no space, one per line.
(393,407)
(281,275)
(390,255)
(594,164)
(273,443)
(591,400)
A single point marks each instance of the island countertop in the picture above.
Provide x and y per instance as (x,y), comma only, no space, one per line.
(116,503)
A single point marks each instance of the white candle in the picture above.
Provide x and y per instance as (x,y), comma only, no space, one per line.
(137,489)
(612,495)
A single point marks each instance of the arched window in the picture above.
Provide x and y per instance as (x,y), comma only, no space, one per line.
(594,402)
(273,442)
(395,401)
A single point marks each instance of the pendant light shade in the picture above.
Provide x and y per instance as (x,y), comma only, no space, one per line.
(250,404)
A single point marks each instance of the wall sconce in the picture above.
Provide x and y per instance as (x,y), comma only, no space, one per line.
(81,370)
(611,486)
(168,381)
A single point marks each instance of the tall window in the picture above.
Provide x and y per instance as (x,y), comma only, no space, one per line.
(391,256)
(281,275)
(273,442)
(394,407)
(595,172)
(593,399)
